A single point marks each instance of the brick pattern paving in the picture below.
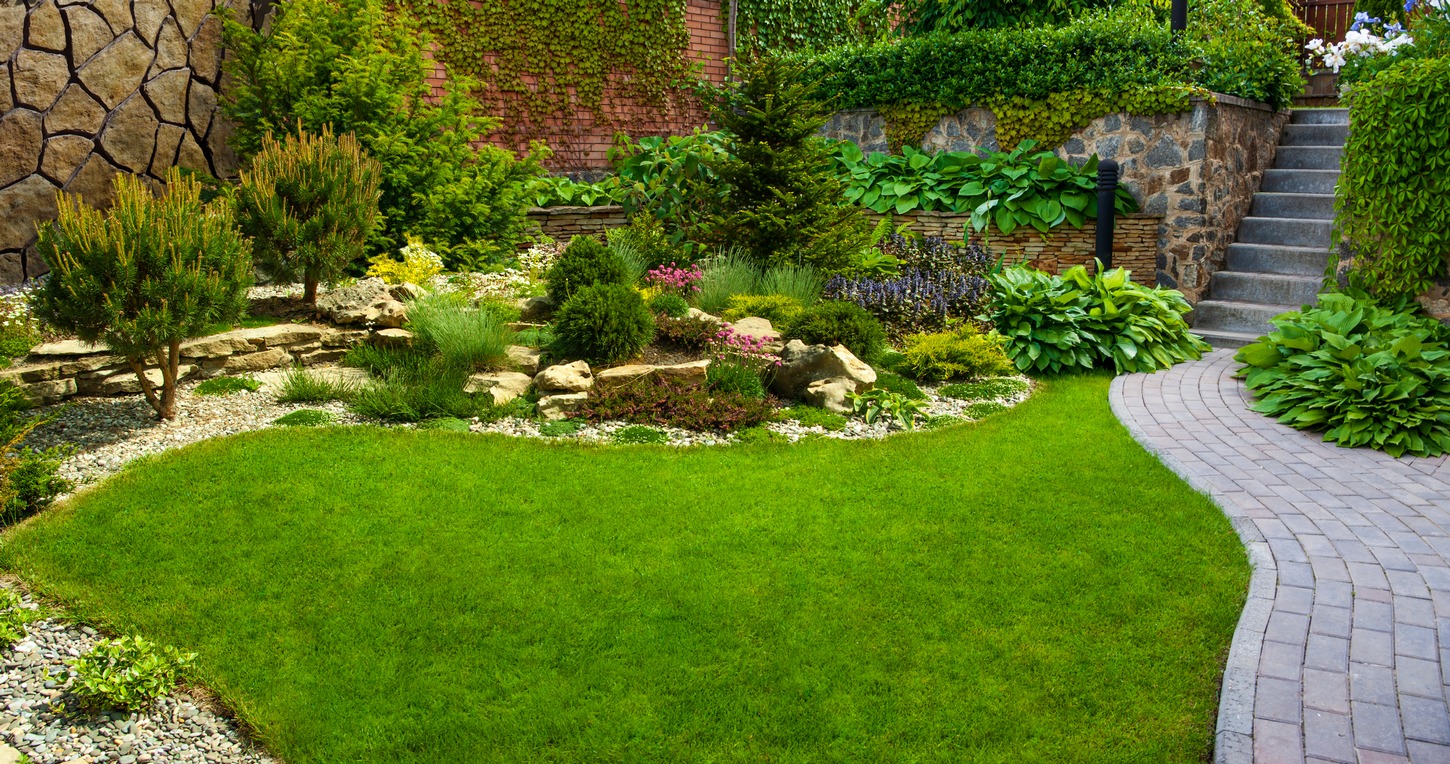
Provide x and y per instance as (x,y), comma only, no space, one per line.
(1342,653)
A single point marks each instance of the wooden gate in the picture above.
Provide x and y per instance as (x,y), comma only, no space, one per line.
(1329,19)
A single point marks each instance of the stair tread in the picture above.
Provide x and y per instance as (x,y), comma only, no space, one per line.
(1207,333)
(1252,305)
(1294,193)
(1272,276)
(1294,247)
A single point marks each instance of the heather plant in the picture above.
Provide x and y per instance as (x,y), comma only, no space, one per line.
(690,333)
(840,323)
(583,263)
(144,277)
(603,323)
(309,202)
(663,402)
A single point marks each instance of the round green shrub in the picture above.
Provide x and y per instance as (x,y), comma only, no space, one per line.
(583,263)
(670,304)
(840,323)
(603,323)
(778,309)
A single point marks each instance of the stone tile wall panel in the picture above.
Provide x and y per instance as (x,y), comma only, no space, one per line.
(91,87)
(1197,171)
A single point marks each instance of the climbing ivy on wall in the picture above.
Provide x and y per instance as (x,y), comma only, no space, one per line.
(545,59)
(778,25)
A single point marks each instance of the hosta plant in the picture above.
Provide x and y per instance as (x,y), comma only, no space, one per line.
(880,404)
(1079,321)
(1363,373)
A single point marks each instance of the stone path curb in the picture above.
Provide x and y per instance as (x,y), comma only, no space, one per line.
(1342,653)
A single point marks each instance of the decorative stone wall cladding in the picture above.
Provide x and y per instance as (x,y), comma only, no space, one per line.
(93,87)
(58,370)
(1198,169)
(564,223)
(1135,241)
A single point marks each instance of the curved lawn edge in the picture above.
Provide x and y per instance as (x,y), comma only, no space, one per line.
(1062,409)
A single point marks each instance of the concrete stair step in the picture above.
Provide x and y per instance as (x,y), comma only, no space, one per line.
(1319,117)
(1286,231)
(1230,316)
(1314,135)
(1308,157)
(1227,340)
(1300,181)
(1268,204)
(1272,258)
(1270,288)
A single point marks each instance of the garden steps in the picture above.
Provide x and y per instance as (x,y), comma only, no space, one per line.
(1281,250)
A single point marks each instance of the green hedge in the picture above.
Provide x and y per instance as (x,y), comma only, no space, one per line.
(1391,203)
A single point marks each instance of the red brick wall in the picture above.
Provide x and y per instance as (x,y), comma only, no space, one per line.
(580,141)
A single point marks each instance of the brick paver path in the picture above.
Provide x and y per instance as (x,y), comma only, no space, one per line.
(1342,653)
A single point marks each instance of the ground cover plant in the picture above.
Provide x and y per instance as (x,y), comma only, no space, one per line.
(227,386)
(1364,373)
(682,609)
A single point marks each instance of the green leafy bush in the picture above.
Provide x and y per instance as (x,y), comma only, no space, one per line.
(785,206)
(603,323)
(778,309)
(466,337)
(560,191)
(127,673)
(669,304)
(839,323)
(354,67)
(675,181)
(1002,387)
(638,434)
(13,618)
(962,354)
(145,276)
(1365,374)
(1078,321)
(1390,202)
(1009,189)
(810,416)
(227,386)
(924,16)
(881,404)
(309,203)
(303,385)
(305,418)
(28,477)
(657,400)
(584,262)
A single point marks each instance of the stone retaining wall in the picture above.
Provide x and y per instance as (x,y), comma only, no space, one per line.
(564,223)
(91,87)
(58,370)
(1198,170)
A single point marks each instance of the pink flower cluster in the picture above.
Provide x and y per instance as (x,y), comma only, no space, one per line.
(673,277)
(744,349)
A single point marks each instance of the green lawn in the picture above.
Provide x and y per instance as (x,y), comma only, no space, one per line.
(1035,588)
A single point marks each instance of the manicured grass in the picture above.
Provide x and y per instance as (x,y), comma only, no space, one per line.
(1033,588)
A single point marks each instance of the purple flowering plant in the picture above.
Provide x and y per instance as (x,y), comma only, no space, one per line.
(672,278)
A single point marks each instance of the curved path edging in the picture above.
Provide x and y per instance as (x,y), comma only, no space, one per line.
(1342,653)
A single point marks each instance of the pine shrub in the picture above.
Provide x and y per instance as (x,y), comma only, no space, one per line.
(584,262)
(603,323)
(145,276)
(309,202)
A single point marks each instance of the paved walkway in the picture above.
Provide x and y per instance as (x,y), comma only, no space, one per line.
(1342,653)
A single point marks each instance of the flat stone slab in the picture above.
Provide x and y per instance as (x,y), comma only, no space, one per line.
(1342,652)
(68,348)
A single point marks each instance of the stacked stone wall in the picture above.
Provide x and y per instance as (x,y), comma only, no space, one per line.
(1197,170)
(89,88)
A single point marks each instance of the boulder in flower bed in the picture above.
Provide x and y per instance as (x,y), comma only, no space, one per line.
(573,377)
(526,358)
(692,372)
(560,406)
(803,364)
(503,386)
(367,302)
(830,394)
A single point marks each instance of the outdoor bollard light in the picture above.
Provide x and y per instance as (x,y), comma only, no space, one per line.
(1107,208)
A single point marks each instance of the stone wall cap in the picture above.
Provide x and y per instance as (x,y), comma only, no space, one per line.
(1224,99)
(69,348)
(565,210)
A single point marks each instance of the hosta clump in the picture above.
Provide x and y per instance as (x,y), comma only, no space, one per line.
(915,301)
(1363,373)
(1079,321)
(127,673)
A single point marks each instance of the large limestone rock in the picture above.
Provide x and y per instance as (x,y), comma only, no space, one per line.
(830,394)
(93,182)
(64,154)
(89,33)
(39,78)
(526,359)
(556,407)
(366,302)
(168,91)
(20,142)
(280,334)
(691,373)
(130,135)
(802,364)
(535,309)
(391,314)
(393,338)
(216,346)
(76,112)
(503,386)
(21,205)
(68,349)
(701,315)
(116,72)
(756,327)
(262,359)
(565,378)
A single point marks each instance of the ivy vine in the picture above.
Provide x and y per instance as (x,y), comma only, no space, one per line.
(537,61)
(908,123)
(781,25)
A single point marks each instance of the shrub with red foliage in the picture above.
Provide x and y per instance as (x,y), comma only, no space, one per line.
(655,400)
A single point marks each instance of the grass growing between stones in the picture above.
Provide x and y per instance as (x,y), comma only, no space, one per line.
(1032,588)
